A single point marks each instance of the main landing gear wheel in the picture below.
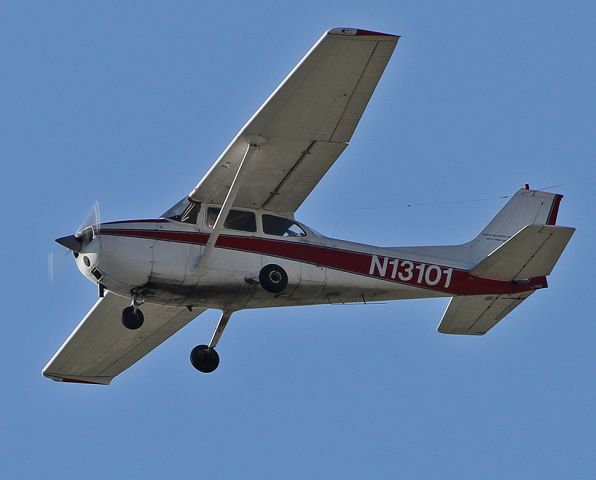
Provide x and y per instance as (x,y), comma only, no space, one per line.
(204,359)
(273,278)
(132,318)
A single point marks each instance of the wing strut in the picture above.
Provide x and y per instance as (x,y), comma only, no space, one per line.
(253,145)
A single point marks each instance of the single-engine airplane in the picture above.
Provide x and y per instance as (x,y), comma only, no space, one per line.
(233,243)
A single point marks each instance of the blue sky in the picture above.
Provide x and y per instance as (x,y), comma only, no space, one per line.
(129,103)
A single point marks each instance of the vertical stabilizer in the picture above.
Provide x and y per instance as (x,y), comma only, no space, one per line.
(526,207)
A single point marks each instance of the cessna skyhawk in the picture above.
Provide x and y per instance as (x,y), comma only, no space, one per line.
(233,243)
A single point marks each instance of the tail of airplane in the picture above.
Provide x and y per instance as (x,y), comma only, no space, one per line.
(526,207)
(520,243)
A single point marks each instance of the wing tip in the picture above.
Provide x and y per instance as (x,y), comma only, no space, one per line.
(358,32)
(455,331)
(82,380)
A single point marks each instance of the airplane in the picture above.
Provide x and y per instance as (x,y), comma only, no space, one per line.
(233,242)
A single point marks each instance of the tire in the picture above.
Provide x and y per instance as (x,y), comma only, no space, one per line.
(273,278)
(131,319)
(204,359)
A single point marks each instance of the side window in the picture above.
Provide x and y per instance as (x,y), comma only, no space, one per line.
(237,220)
(282,227)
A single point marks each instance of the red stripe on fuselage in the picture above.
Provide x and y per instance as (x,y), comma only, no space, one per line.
(460,281)
(147,220)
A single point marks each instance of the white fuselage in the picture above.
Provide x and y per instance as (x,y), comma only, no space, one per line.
(157,261)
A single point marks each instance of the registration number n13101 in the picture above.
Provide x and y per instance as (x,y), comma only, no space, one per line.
(410,272)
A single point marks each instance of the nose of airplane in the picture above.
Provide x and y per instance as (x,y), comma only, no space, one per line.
(77,241)
(71,242)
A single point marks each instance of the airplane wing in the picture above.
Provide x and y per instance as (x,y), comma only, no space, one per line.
(304,125)
(100,347)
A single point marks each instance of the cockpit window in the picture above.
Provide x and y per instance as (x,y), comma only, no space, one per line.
(282,227)
(185,211)
(236,220)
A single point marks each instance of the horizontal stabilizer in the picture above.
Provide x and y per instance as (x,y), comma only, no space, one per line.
(477,314)
(532,252)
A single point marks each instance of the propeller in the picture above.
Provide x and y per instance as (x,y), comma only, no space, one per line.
(56,260)
(87,231)
(90,224)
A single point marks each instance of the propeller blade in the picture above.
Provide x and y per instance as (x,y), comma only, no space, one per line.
(55,262)
(92,219)
(84,234)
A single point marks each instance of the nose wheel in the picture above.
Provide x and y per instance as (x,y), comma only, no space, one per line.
(204,357)
(132,317)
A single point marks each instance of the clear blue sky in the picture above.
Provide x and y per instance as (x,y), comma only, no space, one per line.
(129,103)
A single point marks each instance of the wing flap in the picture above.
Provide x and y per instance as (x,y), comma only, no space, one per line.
(532,252)
(477,314)
(100,347)
(303,176)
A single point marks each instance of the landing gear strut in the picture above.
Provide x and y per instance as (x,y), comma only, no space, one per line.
(132,317)
(204,357)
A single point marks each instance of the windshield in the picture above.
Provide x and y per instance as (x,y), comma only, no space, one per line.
(185,211)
